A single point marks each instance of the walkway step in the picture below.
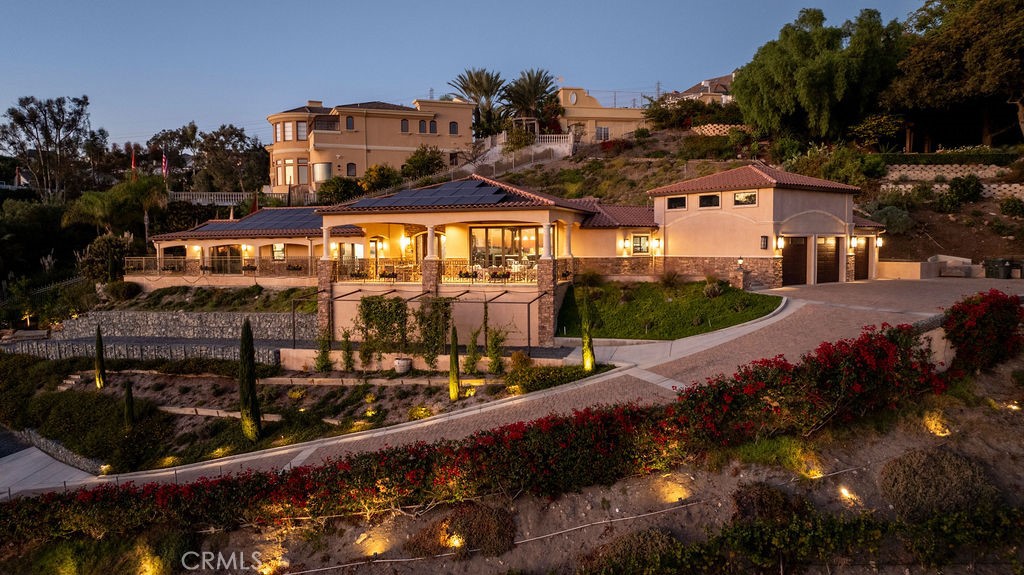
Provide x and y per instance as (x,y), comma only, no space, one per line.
(205,412)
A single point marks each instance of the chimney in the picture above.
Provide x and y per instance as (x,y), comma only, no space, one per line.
(315,103)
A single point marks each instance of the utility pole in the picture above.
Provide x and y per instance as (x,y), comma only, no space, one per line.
(431,94)
(657,90)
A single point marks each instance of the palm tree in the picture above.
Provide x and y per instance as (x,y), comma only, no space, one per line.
(525,95)
(95,208)
(483,88)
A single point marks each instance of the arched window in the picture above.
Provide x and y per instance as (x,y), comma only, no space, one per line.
(433,127)
(350,123)
(453,128)
(350,170)
(423,126)
(405,125)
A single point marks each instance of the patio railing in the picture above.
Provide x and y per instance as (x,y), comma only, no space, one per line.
(459,271)
(381,270)
(256,267)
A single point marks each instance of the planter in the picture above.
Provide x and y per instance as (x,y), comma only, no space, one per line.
(403,365)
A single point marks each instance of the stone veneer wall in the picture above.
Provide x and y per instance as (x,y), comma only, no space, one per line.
(152,349)
(57,451)
(766,271)
(188,325)
(624,266)
(718,129)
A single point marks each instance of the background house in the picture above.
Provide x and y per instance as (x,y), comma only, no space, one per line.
(591,121)
(313,143)
(711,91)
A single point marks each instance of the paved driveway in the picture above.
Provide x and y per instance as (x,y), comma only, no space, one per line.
(812,315)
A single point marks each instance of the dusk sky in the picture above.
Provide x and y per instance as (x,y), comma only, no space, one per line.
(148,66)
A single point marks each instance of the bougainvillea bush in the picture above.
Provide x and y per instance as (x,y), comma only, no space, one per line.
(984,329)
(839,381)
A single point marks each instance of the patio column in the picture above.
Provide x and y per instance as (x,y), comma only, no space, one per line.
(431,249)
(567,251)
(327,243)
(546,253)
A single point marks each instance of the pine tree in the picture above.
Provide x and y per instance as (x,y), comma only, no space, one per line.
(99,365)
(453,366)
(248,399)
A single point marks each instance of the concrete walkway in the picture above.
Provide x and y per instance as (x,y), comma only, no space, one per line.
(812,314)
(29,468)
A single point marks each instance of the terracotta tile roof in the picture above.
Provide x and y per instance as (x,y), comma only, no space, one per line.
(472,193)
(301,222)
(605,216)
(719,85)
(379,106)
(308,110)
(751,177)
(862,222)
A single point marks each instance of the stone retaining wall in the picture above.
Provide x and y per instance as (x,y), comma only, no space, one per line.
(58,451)
(948,171)
(987,190)
(57,349)
(188,325)
(718,129)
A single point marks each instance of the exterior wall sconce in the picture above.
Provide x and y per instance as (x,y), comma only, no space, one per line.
(655,243)
(626,243)
(764,242)
(780,242)
(739,261)
(878,242)
(404,242)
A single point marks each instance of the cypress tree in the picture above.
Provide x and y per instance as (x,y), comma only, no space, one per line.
(249,403)
(99,365)
(453,366)
(129,406)
(589,359)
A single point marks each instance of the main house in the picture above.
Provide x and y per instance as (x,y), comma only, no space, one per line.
(484,242)
(313,143)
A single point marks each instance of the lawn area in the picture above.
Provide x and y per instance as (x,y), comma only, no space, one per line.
(652,311)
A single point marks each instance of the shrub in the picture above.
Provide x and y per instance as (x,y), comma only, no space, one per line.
(323,362)
(118,290)
(897,220)
(104,258)
(784,149)
(467,527)
(641,133)
(947,202)
(424,161)
(420,411)
(670,279)
(519,360)
(926,483)
(1012,206)
(637,552)
(538,377)
(706,148)
(473,356)
(616,146)
(966,189)
(495,349)
(984,329)
(713,287)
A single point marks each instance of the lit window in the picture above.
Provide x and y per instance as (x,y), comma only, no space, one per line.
(350,123)
(288,134)
(350,170)
(289,172)
(453,128)
(423,126)
(744,199)
(405,125)
(709,201)
(300,130)
(678,203)
(277,251)
(602,133)
(641,244)
(433,127)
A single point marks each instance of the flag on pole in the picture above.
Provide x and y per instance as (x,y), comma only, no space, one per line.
(163,165)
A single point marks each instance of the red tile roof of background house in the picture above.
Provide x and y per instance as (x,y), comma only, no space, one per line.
(752,177)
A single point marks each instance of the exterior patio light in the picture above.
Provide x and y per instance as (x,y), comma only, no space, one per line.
(196,248)
(655,243)
(625,244)
(854,242)
(878,242)
(404,242)
(739,261)
(780,242)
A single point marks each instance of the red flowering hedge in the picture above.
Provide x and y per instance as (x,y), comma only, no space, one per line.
(838,381)
(984,329)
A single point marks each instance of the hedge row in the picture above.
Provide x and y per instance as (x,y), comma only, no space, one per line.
(839,381)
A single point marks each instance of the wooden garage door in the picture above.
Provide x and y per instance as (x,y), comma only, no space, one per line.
(828,260)
(860,259)
(794,262)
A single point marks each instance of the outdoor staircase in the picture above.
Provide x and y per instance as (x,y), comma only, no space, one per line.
(71,381)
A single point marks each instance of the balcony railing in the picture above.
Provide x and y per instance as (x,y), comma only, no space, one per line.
(381,270)
(459,271)
(255,267)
